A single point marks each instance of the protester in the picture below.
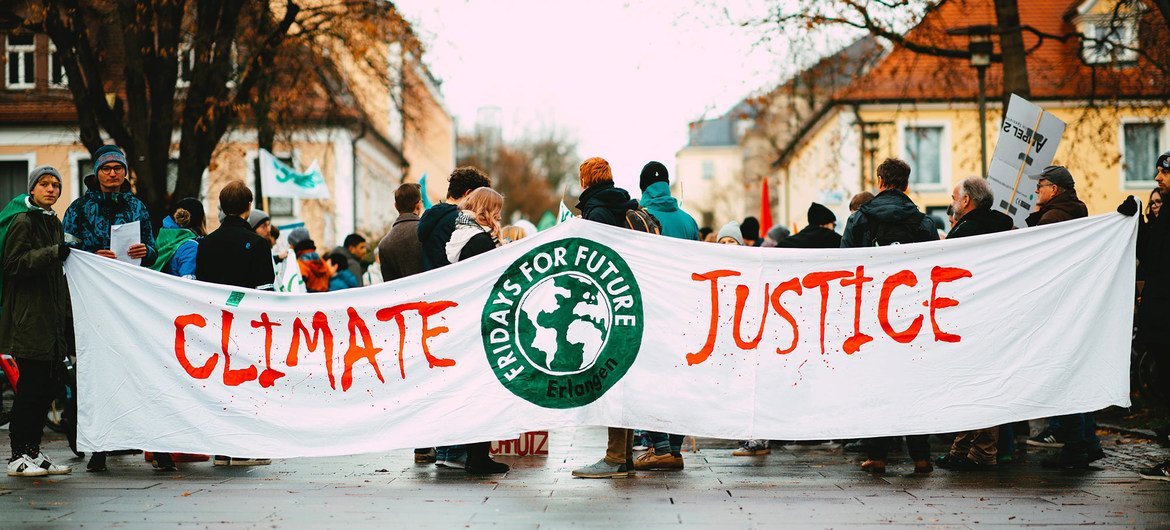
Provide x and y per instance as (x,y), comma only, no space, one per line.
(235,255)
(477,229)
(355,249)
(36,318)
(434,231)
(858,200)
(665,450)
(1152,208)
(260,223)
(342,278)
(108,202)
(775,235)
(655,184)
(314,270)
(891,218)
(438,222)
(818,233)
(602,202)
(1056,198)
(400,252)
(178,239)
(750,228)
(1156,305)
(707,234)
(971,206)
(730,234)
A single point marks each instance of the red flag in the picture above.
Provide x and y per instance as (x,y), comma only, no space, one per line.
(765,210)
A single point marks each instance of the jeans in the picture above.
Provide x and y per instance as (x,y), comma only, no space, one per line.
(918,445)
(35,390)
(450,452)
(1079,434)
(665,443)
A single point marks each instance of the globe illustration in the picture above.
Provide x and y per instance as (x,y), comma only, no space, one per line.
(563,323)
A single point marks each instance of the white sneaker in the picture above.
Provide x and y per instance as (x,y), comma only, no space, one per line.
(24,466)
(50,467)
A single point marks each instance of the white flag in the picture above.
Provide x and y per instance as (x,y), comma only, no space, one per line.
(279,180)
(564,213)
(288,276)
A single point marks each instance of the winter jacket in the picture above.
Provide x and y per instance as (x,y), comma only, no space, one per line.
(235,255)
(1063,206)
(811,236)
(434,230)
(604,203)
(656,199)
(356,267)
(981,221)
(890,206)
(36,321)
(314,271)
(343,280)
(177,250)
(89,218)
(400,252)
(468,239)
(1154,255)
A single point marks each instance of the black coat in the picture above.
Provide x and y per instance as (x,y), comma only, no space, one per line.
(235,255)
(434,231)
(811,236)
(604,203)
(1154,254)
(1065,206)
(981,221)
(37,319)
(890,206)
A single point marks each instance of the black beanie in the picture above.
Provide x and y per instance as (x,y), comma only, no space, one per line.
(651,173)
(819,215)
(750,227)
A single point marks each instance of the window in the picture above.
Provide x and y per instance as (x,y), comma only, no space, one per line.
(1109,42)
(708,170)
(13,178)
(20,61)
(1140,151)
(57,78)
(923,151)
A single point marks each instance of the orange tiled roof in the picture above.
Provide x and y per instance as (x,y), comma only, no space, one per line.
(1055,68)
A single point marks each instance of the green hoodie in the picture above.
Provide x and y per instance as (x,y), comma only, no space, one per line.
(656,199)
(16,206)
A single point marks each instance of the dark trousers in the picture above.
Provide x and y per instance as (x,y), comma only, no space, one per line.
(918,445)
(35,390)
(1079,434)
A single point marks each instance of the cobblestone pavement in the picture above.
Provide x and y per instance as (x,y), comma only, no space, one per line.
(794,487)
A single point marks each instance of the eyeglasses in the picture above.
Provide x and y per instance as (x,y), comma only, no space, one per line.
(1042,186)
(112,169)
(1156,201)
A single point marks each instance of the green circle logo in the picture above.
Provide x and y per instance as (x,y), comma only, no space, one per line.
(563,323)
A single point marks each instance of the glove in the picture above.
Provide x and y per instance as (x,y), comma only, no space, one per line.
(63,252)
(1128,207)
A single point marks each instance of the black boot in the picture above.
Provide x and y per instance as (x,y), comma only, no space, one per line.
(97,463)
(480,463)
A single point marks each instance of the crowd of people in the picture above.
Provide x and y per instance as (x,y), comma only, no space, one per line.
(246,251)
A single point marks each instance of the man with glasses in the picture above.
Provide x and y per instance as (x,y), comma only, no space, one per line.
(1075,434)
(108,202)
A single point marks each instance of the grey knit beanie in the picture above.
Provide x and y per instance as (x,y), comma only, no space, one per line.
(730,230)
(39,172)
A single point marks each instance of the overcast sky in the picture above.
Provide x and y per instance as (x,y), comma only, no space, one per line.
(623,78)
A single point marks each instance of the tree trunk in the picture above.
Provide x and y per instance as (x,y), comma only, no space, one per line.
(1011,43)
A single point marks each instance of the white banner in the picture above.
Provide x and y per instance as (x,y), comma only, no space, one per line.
(280,180)
(587,324)
(1026,145)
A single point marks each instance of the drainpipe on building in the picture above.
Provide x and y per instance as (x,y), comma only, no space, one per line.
(354,169)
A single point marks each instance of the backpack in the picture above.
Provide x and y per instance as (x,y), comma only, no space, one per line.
(881,234)
(643,221)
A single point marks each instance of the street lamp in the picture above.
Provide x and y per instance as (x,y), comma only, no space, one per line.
(980,46)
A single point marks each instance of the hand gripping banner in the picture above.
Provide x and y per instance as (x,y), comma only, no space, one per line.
(587,324)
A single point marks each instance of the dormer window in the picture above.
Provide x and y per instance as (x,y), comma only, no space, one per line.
(21,61)
(1109,32)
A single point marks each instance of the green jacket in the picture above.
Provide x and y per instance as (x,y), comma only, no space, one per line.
(37,318)
(656,199)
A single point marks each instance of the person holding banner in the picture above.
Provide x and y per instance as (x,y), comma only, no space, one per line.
(602,202)
(36,319)
(972,200)
(178,239)
(1155,257)
(818,234)
(1056,197)
(400,252)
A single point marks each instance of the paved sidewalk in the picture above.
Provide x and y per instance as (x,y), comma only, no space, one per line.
(795,488)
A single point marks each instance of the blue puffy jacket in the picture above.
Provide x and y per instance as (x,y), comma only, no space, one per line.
(88,220)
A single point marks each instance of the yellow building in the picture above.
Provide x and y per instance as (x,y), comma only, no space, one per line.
(923,109)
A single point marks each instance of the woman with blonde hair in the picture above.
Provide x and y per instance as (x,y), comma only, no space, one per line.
(477,228)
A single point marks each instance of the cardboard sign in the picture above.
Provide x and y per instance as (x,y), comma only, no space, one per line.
(533,443)
(1028,139)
